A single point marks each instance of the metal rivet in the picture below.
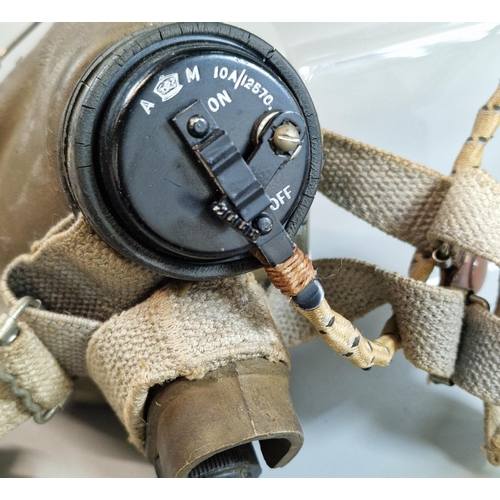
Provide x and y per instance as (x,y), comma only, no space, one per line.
(198,126)
(264,224)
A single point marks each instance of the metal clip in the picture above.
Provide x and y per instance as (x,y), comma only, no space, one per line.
(442,256)
(9,330)
(472,298)
(462,274)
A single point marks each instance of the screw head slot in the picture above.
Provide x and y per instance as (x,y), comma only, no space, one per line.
(286,138)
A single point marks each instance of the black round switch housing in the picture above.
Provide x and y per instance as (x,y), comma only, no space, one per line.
(139,182)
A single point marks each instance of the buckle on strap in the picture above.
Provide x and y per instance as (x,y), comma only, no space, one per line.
(9,330)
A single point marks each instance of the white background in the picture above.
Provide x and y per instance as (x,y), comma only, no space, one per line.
(414,90)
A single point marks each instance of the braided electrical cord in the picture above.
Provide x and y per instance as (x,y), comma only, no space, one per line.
(345,339)
(291,277)
(485,125)
(470,156)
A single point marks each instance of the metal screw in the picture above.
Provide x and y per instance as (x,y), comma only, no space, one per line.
(198,126)
(264,224)
(286,137)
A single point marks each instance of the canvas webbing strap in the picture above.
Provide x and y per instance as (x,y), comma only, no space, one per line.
(411,202)
(492,422)
(128,328)
(30,376)
(492,432)
(107,317)
(132,351)
(441,334)
(463,210)
(469,215)
(470,157)
(391,193)
(405,200)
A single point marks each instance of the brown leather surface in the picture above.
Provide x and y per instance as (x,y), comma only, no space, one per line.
(33,100)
